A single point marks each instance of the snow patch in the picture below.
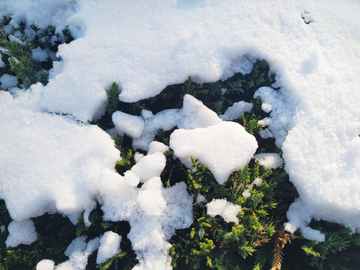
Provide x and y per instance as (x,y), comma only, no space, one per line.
(8,81)
(109,247)
(22,232)
(225,209)
(269,160)
(48,146)
(215,147)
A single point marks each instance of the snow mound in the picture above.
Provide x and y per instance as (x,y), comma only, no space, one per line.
(269,160)
(152,211)
(78,252)
(225,209)
(45,265)
(236,110)
(281,107)
(193,114)
(109,247)
(8,81)
(49,163)
(223,148)
(22,232)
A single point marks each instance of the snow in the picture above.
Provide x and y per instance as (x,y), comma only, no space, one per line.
(314,117)
(131,125)
(200,198)
(281,108)
(157,147)
(48,146)
(225,209)
(164,120)
(257,182)
(150,199)
(214,146)
(40,13)
(2,64)
(152,211)
(193,114)
(77,244)
(269,160)
(236,110)
(246,194)
(8,81)
(109,247)
(39,55)
(242,64)
(266,107)
(21,233)
(45,265)
(150,166)
(78,252)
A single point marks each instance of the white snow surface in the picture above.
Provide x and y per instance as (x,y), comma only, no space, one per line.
(130,125)
(223,148)
(109,246)
(8,81)
(149,166)
(193,114)
(2,64)
(45,265)
(155,146)
(281,107)
(225,209)
(22,232)
(78,252)
(60,161)
(39,55)
(269,160)
(152,211)
(314,117)
(236,110)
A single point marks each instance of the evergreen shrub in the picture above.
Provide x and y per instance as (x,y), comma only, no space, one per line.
(258,241)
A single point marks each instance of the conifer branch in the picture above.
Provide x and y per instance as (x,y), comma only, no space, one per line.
(282,238)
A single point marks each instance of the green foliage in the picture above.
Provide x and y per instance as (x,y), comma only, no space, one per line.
(21,62)
(112,106)
(211,239)
(115,260)
(55,233)
(210,242)
(125,260)
(250,123)
(341,242)
(17,55)
(200,179)
(3,266)
(126,153)
(126,160)
(113,98)
(218,96)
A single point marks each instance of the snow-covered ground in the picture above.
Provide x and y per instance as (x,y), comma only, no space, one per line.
(50,162)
